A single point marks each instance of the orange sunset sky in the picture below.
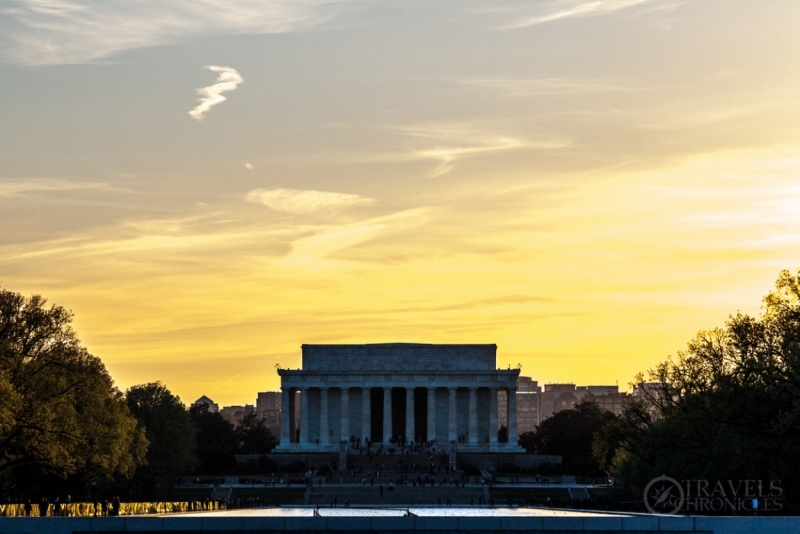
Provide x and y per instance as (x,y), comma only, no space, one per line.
(208,185)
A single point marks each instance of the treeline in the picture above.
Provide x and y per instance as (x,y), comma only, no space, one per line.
(66,429)
(725,408)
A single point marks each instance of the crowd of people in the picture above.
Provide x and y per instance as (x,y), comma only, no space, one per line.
(59,508)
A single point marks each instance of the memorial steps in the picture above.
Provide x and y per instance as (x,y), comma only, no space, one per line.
(392,461)
(404,495)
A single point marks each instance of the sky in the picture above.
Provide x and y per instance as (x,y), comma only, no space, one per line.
(209,184)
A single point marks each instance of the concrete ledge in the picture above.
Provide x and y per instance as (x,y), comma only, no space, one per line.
(602,523)
(263,523)
(183,522)
(640,523)
(306,523)
(392,523)
(103,524)
(481,523)
(20,524)
(746,525)
(423,524)
(676,523)
(222,523)
(562,523)
(349,523)
(435,523)
(521,523)
(144,523)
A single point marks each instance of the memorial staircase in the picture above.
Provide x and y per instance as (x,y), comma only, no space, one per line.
(393,465)
(345,485)
(403,495)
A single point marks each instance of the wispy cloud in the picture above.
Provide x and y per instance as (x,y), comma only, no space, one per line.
(562,9)
(228,80)
(49,32)
(447,143)
(545,86)
(332,240)
(21,187)
(302,202)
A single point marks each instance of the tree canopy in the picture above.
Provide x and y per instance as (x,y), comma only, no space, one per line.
(569,433)
(728,406)
(254,436)
(168,428)
(60,413)
(217,441)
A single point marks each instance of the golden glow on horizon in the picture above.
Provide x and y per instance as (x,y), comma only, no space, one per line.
(586,184)
(602,282)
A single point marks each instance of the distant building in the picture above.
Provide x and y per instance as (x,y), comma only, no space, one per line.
(268,408)
(557,397)
(527,384)
(565,401)
(272,420)
(212,406)
(528,404)
(529,399)
(551,401)
(235,414)
(608,398)
(652,389)
(268,400)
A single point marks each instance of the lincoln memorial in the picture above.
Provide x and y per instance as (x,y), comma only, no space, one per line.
(397,392)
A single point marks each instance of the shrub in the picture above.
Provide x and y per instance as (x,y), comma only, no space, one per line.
(509,468)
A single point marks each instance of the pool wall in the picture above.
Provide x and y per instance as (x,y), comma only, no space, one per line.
(385,525)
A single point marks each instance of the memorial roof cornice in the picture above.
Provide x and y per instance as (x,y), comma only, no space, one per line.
(398,372)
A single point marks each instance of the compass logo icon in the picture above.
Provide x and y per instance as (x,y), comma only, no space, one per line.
(664,495)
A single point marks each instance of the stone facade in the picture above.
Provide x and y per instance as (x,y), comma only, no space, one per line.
(397,392)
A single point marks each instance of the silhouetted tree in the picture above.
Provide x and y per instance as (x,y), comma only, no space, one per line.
(217,441)
(727,407)
(169,430)
(530,442)
(570,433)
(60,414)
(254,436)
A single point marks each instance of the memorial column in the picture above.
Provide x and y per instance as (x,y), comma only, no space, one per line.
(492,416)
(473,416)
(366,415)
(512,416)
(410,415)
(324,428)
(345,432)
(286,435)
(387,415)
(303,417)
(431,414)
(293,415)
(452,429)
